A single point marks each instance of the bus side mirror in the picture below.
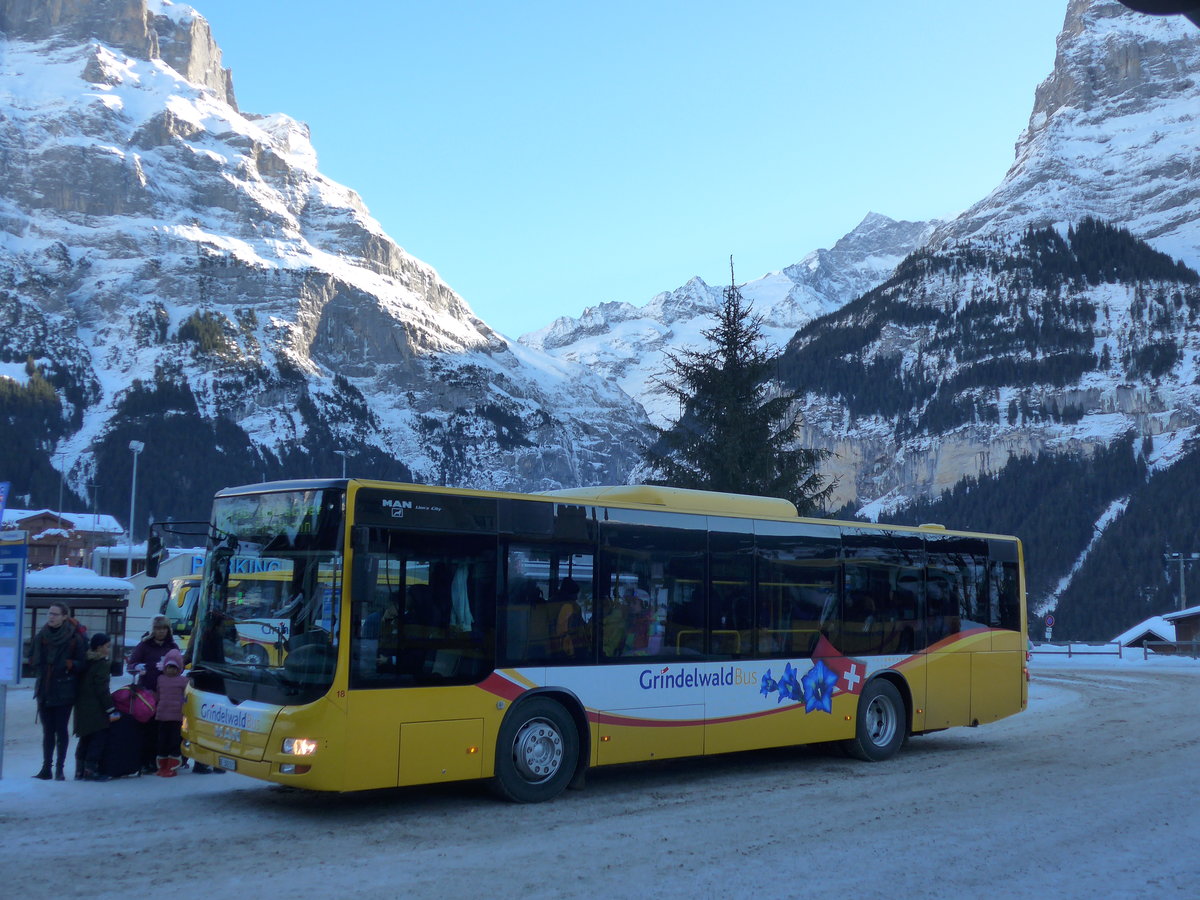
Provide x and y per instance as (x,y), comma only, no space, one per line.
(154,553)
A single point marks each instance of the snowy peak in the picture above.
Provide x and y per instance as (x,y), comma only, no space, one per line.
(146,29)
(860,260)
(628,344)
(1113,134)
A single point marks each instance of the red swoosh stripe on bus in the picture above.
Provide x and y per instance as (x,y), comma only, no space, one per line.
(500,686)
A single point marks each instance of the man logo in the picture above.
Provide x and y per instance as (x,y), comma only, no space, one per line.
(397,507)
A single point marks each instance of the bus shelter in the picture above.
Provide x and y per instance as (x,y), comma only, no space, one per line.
(97,602)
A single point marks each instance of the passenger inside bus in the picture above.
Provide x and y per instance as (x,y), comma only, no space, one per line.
(568,638)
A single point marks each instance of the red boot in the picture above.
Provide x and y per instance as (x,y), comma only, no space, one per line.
(164,768)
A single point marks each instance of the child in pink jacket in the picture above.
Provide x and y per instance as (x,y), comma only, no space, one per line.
(172,685)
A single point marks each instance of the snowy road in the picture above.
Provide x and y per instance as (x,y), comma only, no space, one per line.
(1086,795)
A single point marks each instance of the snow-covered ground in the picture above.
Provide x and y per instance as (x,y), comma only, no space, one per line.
(1085,795)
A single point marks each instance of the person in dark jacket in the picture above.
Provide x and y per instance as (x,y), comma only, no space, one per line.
(57,658)
(143,662)
(94,708)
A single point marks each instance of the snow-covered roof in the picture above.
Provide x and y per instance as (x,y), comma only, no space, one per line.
(1156,628)
(120,551)
(1183,614)
(73,580)
(92,522)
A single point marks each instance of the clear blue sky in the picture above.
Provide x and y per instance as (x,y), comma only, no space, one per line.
(545,157)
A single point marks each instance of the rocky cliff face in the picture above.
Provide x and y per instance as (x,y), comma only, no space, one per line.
(1113,134)
(147,29)
(154,239)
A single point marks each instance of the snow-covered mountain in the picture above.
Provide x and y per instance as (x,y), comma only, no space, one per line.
(1051,317)
(1040,354)
(972,355)
(163,252)
(1113,134)
(627,343)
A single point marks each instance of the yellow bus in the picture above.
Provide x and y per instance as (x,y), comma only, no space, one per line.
(435,634)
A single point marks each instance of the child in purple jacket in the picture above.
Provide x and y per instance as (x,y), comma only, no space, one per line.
(168,716)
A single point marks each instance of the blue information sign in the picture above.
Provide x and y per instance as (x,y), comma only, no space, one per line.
(12,609)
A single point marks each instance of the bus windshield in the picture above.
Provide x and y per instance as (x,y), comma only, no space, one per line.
(266,621)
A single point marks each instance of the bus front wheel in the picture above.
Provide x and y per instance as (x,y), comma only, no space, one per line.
(537,751)
(880,729)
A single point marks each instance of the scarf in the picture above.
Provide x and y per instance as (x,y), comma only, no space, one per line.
(56,638)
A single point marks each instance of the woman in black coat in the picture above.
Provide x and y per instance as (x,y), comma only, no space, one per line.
(57,659)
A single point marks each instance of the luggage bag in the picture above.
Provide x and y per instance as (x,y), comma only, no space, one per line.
(123,754)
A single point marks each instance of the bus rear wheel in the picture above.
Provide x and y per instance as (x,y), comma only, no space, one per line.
(536,752)
(880,729)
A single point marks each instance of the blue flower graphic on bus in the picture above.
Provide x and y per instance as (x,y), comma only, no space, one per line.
(768,685)
(830,674)
(819,683)
(789,685)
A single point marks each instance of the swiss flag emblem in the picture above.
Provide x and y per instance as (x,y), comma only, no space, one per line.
(850,672)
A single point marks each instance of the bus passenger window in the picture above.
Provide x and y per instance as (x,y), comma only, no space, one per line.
(547,609)
(652,589)
(797,589)
(423,603)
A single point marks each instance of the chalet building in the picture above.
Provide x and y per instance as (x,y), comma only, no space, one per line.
(1155,630)
(1187,624)
(67,539)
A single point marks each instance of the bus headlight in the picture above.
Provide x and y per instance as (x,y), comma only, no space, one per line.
(299,746)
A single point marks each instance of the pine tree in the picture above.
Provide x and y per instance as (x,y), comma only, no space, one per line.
(738,429)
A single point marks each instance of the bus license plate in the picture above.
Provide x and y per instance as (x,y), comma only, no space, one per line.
(227,763)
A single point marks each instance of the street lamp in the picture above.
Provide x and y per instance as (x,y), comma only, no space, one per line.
(137,447)
(62,456)
(1181,558)
(345,454)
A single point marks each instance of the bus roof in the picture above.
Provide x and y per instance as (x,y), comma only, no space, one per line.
(683,500)
(649,496)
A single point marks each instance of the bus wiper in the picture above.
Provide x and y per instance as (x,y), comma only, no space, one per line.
(214,668)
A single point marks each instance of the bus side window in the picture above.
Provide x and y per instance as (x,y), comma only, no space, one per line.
(1004,585)
(548,605)
(653,568)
